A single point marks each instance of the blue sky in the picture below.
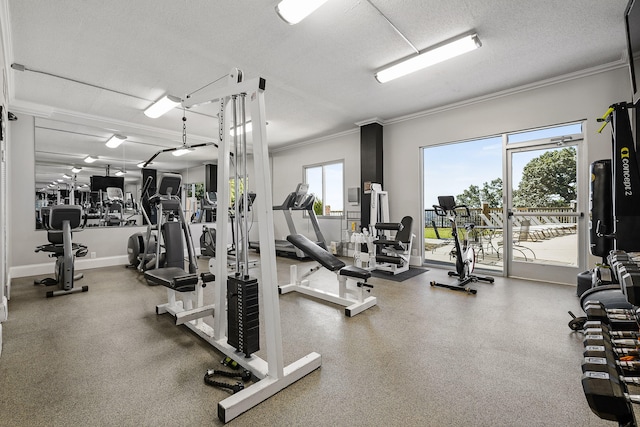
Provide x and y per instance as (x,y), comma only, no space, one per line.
(452,168)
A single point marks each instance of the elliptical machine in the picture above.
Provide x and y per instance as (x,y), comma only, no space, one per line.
(465,254)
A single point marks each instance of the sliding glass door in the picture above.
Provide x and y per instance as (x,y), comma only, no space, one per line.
(471,171)
(525,195)
(544,222)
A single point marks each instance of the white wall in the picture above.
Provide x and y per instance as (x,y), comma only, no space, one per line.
(109,244)
(582,98)
(5,253)
(287,171)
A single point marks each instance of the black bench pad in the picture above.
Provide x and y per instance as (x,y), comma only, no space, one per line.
(353,271)
(389,226)
(390,243)
(315,252)
(173,277)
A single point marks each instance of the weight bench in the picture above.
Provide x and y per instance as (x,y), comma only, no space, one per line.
(188,285)
(343,272)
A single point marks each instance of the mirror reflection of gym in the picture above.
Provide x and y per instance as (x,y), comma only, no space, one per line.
(62,172)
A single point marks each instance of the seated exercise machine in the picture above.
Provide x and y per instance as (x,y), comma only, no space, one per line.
(465,254)
(393,254)
(208,207)
(237,321)
(60,221)
(344,272)
(386,253)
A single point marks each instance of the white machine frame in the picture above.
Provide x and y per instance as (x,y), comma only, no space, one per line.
(352,306)
(272,374)
(379,213)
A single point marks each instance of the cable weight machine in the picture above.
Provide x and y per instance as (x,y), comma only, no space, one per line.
(238,293)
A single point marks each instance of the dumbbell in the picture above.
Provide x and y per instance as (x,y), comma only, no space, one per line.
(597,310)
(595,327)
(617,318)
(603,351)
(608,397)
(612,334)
(610,365)
(600,339)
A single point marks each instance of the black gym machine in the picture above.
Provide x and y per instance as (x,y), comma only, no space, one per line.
(464,253)
(60,221)
(610,293)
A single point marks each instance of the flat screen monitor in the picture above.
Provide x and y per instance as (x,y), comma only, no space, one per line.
(99,183)
(632,23)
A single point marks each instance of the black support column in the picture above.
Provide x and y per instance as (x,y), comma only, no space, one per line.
(370,164)
(210,184)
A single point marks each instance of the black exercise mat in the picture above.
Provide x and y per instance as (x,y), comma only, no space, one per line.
(400,277)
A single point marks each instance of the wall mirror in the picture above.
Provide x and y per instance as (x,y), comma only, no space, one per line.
(64,170)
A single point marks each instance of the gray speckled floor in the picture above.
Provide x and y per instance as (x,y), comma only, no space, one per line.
(422,357)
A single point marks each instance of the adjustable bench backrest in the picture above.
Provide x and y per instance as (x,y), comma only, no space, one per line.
(315,252)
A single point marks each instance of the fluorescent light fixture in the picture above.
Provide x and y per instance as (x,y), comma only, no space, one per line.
(430,57)
(115,141)
(141,164)
(90,159)
(120,173)
(54,183)
(247,128)
(161,106)
(294,11)
(75,169)
(65,176)
(181,151)
(60,180)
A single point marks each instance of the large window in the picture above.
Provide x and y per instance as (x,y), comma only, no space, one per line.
(326,181)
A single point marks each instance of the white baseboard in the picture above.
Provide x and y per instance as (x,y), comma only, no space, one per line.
(80,264)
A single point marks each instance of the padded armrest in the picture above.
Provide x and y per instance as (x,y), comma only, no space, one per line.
(315,252)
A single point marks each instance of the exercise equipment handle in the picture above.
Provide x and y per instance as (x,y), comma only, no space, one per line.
(440,211)
(147,184)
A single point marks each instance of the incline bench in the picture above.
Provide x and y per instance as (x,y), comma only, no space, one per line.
(343,272)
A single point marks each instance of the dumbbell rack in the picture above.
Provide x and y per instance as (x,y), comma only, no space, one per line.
(611,362)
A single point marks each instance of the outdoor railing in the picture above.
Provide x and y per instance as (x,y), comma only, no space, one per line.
(430,216)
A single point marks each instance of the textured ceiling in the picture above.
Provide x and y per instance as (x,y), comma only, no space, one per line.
(319,73)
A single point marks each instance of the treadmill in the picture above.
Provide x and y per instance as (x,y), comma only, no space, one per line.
(299,200)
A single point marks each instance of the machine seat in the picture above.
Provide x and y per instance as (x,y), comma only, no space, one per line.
(173,277)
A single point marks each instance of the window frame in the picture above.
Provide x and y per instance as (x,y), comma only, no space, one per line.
(322,196)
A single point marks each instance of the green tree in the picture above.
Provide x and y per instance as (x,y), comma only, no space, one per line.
(490,193)
(317,207)
(469,197)
(548,180)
